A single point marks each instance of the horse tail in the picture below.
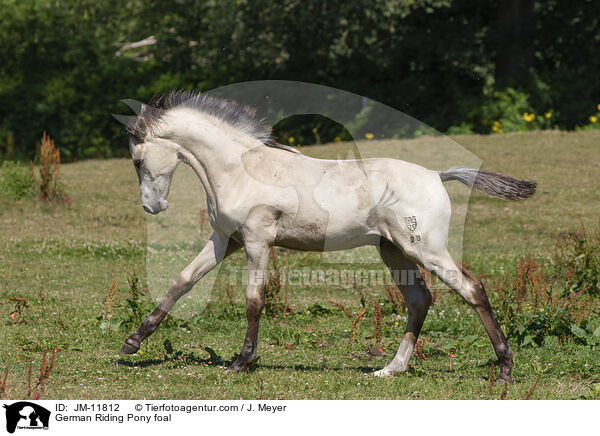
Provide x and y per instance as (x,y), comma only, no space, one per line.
(493,184)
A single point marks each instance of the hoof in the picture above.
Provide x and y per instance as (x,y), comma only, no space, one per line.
(503,378)
(385,372)
(391,370)
(239,365)
(130,347)
(235,368)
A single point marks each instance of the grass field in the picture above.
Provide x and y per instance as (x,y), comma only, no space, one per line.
(62,260)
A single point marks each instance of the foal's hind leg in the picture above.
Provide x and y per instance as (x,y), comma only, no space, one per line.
(216,249)
(417,298)
(472,291)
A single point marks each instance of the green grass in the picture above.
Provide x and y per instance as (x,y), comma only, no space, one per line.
(71,254)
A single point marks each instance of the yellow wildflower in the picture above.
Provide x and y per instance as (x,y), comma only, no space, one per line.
(291,139)
(337,139)
(369,135)
(598,107)
(548,114)
(528,117)
(593,119)
(314,130)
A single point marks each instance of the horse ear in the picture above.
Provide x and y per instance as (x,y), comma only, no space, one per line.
(142,124)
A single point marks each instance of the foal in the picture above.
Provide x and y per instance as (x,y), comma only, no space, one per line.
(261,194)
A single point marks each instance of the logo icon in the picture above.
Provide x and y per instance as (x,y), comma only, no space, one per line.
(26,415)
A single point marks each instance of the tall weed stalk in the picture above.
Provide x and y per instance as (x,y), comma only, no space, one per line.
(49,185)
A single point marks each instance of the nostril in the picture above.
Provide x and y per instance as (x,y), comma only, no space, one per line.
(147,209)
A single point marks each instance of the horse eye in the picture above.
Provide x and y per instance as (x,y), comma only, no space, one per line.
(137,163)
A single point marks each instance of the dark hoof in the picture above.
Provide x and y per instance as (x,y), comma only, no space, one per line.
(130,347)
(503,378)
(236,367)
(239,365)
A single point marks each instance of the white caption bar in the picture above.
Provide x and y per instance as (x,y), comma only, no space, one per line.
(90,417)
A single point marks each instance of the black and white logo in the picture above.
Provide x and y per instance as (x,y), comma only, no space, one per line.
(26,415)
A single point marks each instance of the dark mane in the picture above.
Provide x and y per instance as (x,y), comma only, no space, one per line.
(239,116)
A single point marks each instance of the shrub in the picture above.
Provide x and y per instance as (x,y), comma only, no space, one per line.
(533,311)
(594,121)
(15,181)
(129,314)
(136,305)
(49,184)
(461,129)
(504,111)
(34,386)
(577,261)
(509,110)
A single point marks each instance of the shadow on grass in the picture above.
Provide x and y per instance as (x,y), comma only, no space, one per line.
(215,360)
(301,367)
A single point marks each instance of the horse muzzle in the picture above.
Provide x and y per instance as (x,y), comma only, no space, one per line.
(154,209)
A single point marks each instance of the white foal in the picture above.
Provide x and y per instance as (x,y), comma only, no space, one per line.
(262,194)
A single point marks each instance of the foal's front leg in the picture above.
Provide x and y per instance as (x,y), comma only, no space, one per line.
(258,263)
(216,249)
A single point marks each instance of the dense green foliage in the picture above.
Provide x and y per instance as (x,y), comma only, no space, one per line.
(15,181)
(456,65)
